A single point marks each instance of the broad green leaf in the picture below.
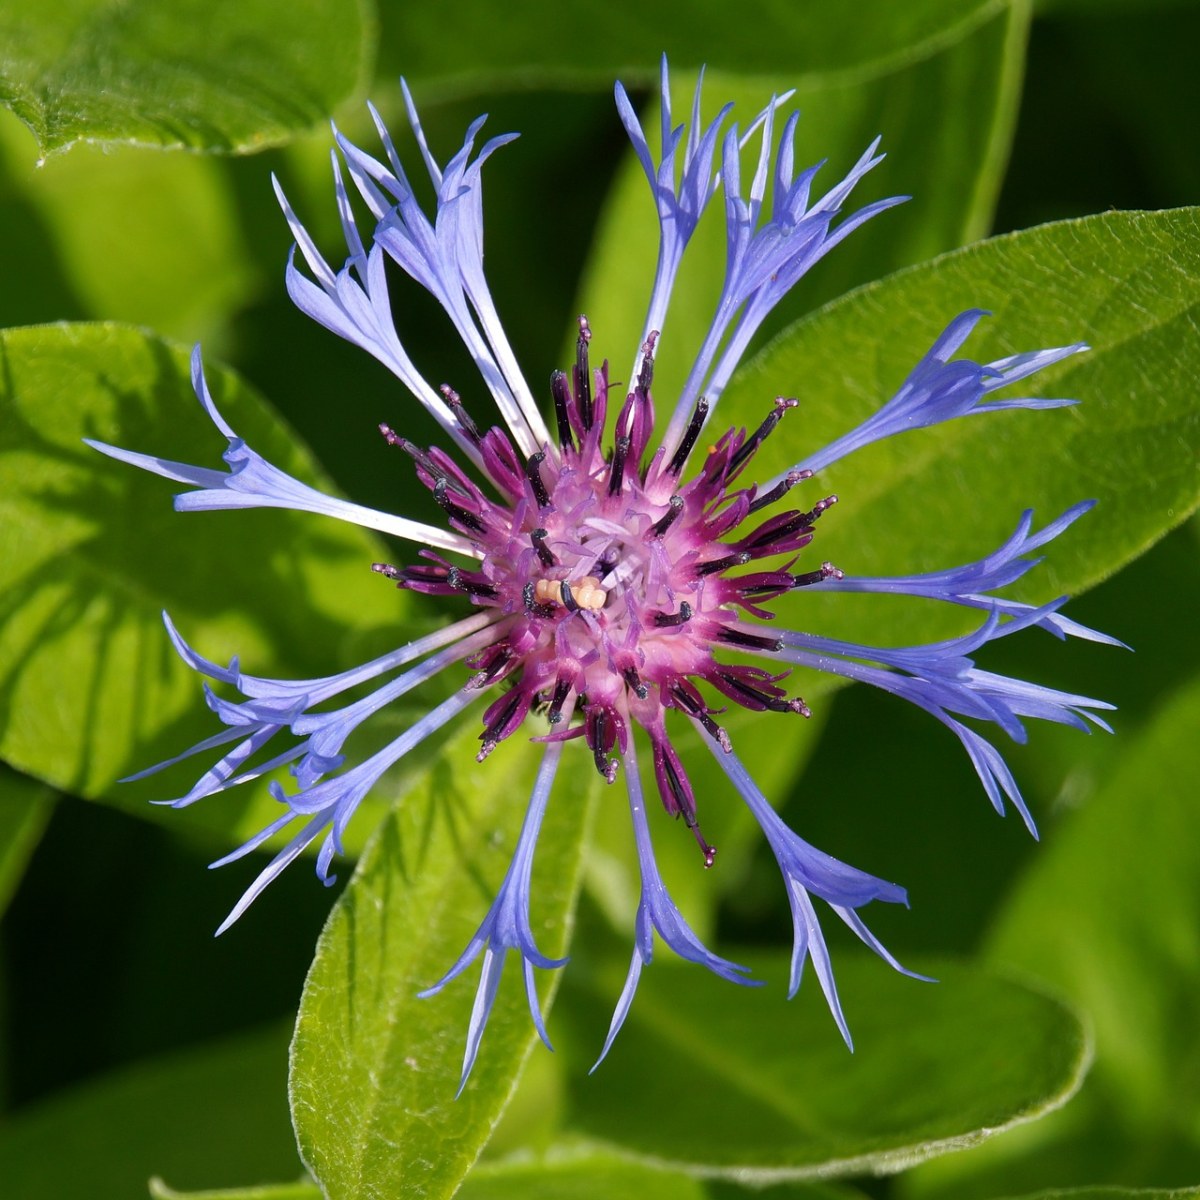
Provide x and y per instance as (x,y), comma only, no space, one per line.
(1107,915)
(25,807)
(945,113)
(303,1190)
(936,1067)
(92,551)
(160,244)
(375,1068)
(1112,1193)
(178,75)
(587,1174)
(1128,284)
(206,1117)
(539,44)
(568,1175)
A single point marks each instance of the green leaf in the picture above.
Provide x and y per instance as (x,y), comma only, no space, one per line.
(1128,284)
(92,551)
(208,1116)
(304,1190)
(25,808)
(1112,1193)
(935,1068)
(178,75)
(585,1173)
(160,244)
(539,44)
(569,1174)
(1121,942)
(1107,915)
(375,1068)
(945,112)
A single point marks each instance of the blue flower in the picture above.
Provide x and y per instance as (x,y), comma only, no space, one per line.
(605,586)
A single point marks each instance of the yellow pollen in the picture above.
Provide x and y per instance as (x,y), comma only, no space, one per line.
(586,592)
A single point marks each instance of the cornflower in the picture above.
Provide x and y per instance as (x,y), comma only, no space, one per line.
(609,581)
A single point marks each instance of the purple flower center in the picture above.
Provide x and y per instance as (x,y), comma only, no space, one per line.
(616,581)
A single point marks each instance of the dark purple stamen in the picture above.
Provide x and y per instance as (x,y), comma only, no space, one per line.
(793,528)
(473,585)
(617,477)
(490,665)
(827,571)
(769,583)
(818,508)
(532,607)
(544,553)
(634,680)
(709,852)
(669,518)
(680,793)
(690,701)
(747,449)
(602,736)
(504,720)
(583,375)
(562,689)
(433,580)
(699,415)
(419,456)
(646,372)
(723,564)
(568,599)
(456,512)
(752,641)
(757,698)
(669,620)
(560,389)
(454,401)
(533,473)
(780,490)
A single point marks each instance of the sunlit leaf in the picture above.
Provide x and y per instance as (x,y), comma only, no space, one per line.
(272,1191)
(375,1068)
(90,687)
(234,78)
(585,1173)
(1128,284)
(574,1174)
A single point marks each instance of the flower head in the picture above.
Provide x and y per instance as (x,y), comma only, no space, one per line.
(605,583)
